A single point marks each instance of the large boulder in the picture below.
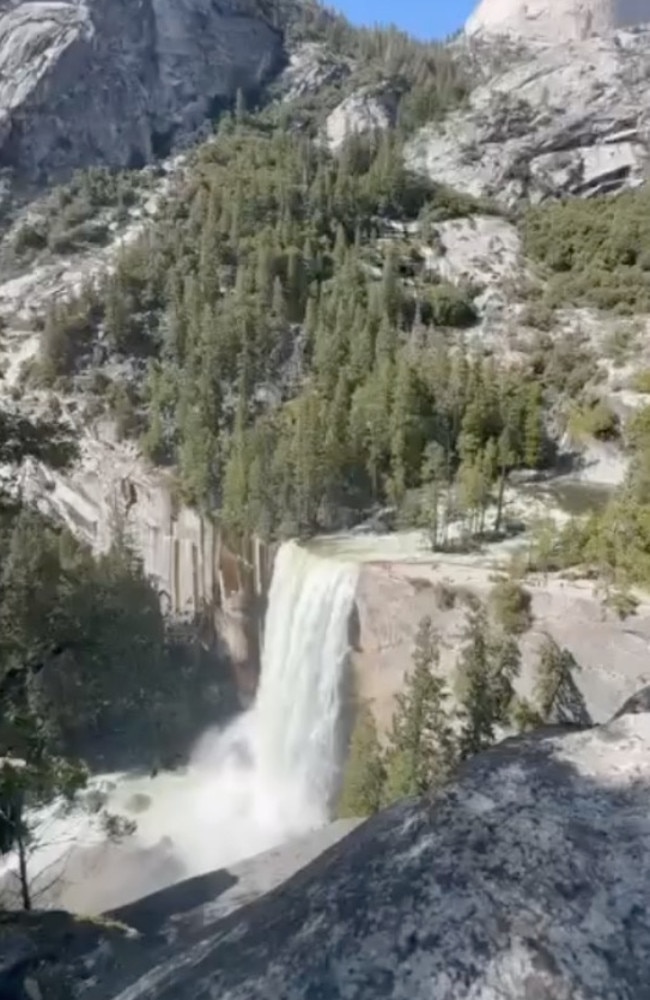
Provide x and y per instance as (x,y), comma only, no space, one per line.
(528,877)
(115,82)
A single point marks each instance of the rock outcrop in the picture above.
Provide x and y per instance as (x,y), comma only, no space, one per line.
(529,876)
(113,82)
(367,110)
(567,118)
(392,599)
(554,19)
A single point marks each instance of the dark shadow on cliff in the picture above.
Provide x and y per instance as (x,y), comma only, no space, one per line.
(150,914)
(526,866)
(570,706)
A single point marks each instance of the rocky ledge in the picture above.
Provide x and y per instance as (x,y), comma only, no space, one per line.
(528,877)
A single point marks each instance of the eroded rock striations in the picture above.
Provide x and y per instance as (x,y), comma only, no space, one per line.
(116,82)
(529,877)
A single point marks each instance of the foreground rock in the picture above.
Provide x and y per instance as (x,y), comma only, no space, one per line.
(528,878)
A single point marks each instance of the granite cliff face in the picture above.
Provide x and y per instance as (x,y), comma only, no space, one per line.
(113,82)
(527,877)
(393,598)
(565,19)
(564,118)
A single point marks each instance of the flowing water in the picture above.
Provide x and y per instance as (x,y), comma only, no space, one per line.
(267,777)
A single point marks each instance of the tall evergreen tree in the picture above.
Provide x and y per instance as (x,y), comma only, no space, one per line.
(422,749)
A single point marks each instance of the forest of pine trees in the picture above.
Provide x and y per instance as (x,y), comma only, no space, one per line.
(300,370)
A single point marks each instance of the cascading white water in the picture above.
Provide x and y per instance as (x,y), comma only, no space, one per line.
(274,768)
(305,647)
(267,777)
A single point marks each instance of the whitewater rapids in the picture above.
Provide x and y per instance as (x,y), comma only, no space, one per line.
(266,778)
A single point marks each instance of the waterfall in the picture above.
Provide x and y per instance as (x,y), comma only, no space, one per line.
(274,769)
(296,714)
(267,777)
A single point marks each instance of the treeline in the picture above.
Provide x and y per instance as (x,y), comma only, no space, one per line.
(301,369)
(427,78)
(436,726)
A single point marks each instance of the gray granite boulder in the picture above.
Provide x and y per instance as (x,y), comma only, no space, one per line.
(528,879)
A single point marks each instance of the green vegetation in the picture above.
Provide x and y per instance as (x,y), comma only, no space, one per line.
(365,773)
(592,419)
(641,381)
(273,301)
(434,728)
(510,606)
(80,213)
(596,251)
(611,545)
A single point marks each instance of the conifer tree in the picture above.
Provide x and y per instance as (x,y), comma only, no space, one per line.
(487,669)
(364,776)
(422,748)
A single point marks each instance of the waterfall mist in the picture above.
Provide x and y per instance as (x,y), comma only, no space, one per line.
(267,777)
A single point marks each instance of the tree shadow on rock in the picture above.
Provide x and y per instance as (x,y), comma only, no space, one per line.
(570,705)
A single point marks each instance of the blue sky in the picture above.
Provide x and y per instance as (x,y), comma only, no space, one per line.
(425,18)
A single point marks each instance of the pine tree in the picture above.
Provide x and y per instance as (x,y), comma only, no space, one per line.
(487,669)
(364,775)
(533,428)
(555,687)
(422,747)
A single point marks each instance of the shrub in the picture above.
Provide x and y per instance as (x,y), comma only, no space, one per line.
(641,381)
(592,420)
(450,305)
(510,604)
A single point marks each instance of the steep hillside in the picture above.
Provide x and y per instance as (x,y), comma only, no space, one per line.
(319,262)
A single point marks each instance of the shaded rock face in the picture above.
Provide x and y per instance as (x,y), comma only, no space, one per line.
(564,119)
(115,82)
(529,877)
(557,19)
(198,576)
